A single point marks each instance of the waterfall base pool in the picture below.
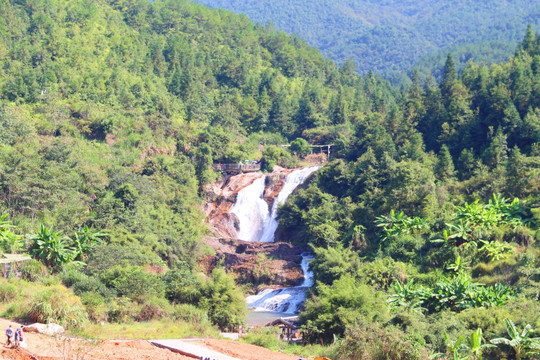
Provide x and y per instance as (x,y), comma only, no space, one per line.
(261,318)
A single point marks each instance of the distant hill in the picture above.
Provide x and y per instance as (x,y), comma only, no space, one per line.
(391,36)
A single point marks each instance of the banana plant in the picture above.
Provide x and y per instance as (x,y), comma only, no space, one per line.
(51,248)
(523,345)
(495,250)
(475,345)
(84,240)
(9,241)
(408,295)
(454,350)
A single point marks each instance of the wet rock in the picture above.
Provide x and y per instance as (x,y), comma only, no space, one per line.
(260,264)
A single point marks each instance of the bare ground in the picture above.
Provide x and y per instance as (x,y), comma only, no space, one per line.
(43,347)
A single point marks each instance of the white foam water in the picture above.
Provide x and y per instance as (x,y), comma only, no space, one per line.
(284,300)
(251,210)
(292,181)
(259,223)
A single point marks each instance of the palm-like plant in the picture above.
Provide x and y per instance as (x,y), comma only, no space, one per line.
(408,295)
(84,240)
(51,248)
(475,346)
(522,344)
(470,348)
(9,241)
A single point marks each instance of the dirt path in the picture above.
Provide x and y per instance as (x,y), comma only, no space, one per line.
(44,347)
(244,351)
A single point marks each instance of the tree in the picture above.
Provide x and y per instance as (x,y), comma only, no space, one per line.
(223,300)
(340,305)
(300,146)
(444,169)
(449,78)
(84,240)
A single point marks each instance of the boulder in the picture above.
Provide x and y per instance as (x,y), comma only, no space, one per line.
(47,329)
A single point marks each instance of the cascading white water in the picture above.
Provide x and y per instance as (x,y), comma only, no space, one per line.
(258,223)
(251,210)
(292,181)
(284,300)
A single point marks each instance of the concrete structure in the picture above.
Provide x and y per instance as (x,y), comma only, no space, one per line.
(188,348)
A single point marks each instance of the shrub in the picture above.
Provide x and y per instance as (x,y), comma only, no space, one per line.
(373,342)
(266,337)
(57,304)
(223,300)
(95,305)
(133,282)
(337,306)
(82,283)
(182,287)
(122,310)
(404,248)
(300,146)
(193,315)
(8,291)
(154,308)
(33,270)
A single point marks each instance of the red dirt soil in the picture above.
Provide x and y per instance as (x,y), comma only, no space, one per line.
(244,351)
(43,347)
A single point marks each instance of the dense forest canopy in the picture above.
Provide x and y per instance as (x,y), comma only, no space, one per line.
(389,37)
(424,222)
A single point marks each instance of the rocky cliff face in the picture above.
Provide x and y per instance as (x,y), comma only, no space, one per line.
(221,197)
(260,264)
(263,265)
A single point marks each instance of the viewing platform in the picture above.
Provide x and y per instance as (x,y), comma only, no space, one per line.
(237,168)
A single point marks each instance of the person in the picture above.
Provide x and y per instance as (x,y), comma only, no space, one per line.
(240,164)
(16,338)
(19,334)
(219,166)
(9,334)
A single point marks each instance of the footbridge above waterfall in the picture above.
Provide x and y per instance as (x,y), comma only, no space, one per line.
(237,168)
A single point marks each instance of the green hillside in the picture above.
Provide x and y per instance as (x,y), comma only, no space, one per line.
(390,37)
(425,222)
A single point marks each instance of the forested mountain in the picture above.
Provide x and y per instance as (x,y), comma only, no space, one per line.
(392,36)
(424,223)
(112,115)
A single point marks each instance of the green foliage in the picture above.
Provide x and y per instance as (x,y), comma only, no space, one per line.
(51,248)
(223,300)
(132,282)
(182,287)
(387,37)
(371,341)
(274,155)
(9,241)
(339,305)
(521,342)
(330,264)
(300,146)
(33,270)
(456,293)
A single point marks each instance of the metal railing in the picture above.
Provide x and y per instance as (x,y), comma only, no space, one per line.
(237,167)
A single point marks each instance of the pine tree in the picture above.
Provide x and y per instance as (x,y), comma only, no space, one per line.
(449,78)
(529,42)
(444,169)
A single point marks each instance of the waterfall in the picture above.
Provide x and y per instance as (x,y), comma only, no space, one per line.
(259,223)
(251,210)
(292,181)
(284,300)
